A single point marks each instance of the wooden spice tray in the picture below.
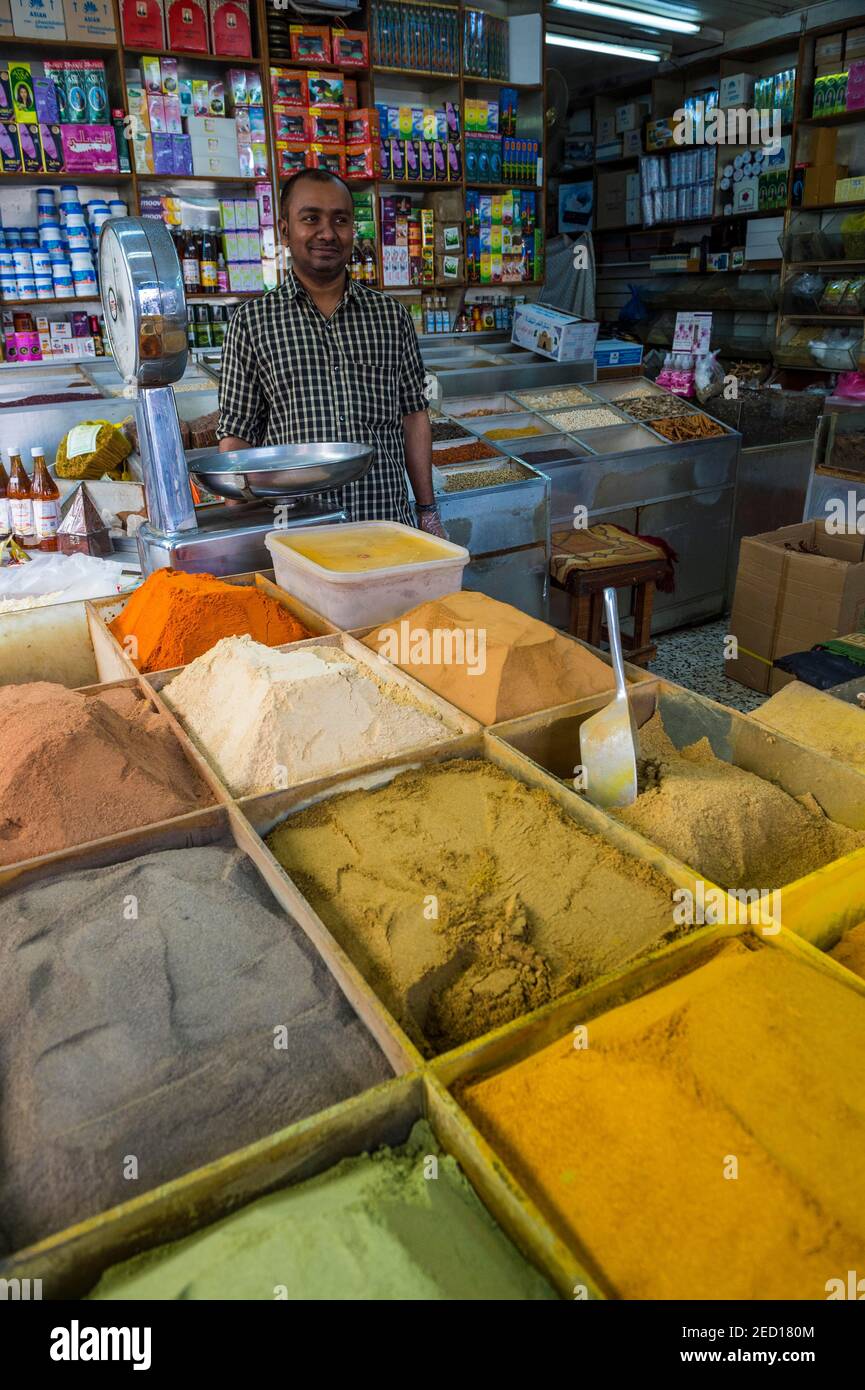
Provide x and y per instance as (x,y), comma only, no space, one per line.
(819,906)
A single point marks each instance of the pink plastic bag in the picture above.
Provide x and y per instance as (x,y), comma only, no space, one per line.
(852,385)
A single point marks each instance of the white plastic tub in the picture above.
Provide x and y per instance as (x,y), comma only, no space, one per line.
(360,597)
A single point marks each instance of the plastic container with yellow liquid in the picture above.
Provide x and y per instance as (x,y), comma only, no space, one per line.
(363,572)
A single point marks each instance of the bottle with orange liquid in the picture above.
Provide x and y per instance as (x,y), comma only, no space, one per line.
(20,502)
(45,495)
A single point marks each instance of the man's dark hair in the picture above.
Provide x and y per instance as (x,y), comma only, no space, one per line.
(315,176)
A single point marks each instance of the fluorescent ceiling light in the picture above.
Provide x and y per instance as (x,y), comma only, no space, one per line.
(616,50)
(628,16)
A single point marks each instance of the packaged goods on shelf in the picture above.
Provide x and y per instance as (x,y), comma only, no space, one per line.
(486,45)
(503,239)
(419,39)
(35,338)
(55,118)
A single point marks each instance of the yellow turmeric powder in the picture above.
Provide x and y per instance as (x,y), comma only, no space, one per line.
(708,1141)
(850,950)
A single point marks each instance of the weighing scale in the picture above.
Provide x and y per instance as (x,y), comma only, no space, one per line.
(267,489)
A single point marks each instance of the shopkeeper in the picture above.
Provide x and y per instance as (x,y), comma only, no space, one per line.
(325,358)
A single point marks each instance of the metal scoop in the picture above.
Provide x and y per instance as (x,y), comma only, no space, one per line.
(608,739)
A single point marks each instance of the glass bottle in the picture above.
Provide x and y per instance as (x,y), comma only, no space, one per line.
(45,495)
(5,523)
(208,265)
(20,502)
(191,270)
(221,274)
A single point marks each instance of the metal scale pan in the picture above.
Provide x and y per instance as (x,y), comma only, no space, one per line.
(145,313)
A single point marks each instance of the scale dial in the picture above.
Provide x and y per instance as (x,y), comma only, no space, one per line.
(143,301)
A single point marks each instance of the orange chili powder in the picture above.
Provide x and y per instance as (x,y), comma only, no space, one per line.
(175,617)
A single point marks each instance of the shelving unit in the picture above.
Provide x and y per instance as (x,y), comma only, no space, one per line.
(624,249)
(376,83)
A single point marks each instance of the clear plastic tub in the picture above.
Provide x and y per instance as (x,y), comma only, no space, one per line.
(364,572)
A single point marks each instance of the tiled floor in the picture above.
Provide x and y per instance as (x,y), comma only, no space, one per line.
(694,657)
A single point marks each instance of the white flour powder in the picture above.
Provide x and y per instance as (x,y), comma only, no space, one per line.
(266,719)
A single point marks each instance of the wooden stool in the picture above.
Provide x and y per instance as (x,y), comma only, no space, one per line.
(585,588)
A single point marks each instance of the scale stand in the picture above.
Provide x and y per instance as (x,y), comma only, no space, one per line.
(145,313)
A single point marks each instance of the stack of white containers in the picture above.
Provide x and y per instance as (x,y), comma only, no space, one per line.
(57,258)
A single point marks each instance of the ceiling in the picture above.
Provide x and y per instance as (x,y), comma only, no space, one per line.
(587,72)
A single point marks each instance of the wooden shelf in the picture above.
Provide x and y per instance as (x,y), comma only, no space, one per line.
(504,82)
(838,320)
(200,178)
(48,303)
(843,118)
(501,187)
(414,72)
(226,59)
(89,44)
(7,180)
(829,207)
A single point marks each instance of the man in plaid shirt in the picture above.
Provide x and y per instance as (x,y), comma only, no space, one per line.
(325,358)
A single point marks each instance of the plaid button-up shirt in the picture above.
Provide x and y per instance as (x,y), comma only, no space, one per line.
(291,376)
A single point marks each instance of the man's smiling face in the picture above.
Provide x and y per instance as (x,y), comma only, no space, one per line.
(317,226)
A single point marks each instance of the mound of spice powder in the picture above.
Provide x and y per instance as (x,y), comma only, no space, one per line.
(76,767)
(175,617)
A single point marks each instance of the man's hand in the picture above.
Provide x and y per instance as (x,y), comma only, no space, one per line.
(431,522)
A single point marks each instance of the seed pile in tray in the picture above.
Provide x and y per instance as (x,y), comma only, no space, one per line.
(587,417)
(485,477)
(446,429)
(683,427)
(553,400)
(488,410)
(654,407)
(464,453)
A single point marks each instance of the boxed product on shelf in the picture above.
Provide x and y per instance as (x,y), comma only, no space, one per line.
(429,44)
(291,157)
(486,45)
(350,48)
(187,24)
(89,149)
(330,157)
(143,23)
(38,19)
(289,88)
(290,123)
(362,126)
(361,162)
(230,28)
(89,19)
(326,126)
(326,89)
(310,43)
(563,337)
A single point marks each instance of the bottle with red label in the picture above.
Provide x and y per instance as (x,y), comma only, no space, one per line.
(45,495)
(20,502)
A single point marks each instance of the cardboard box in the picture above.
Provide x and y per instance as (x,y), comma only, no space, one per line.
(628,117)
(820,183)
(829,49)
(610,200)
(787,601)
(289,87)
(632,142)
(6,30)
(38,19)
(617,352)
(90,19)
(142,23)
(824,139)
(736,90)
(89,149)
(562,337)
(350,48)
(850,190)
(187,23)
(606,129)
(854,49)
(289,123)
(310,43)
(230,28)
